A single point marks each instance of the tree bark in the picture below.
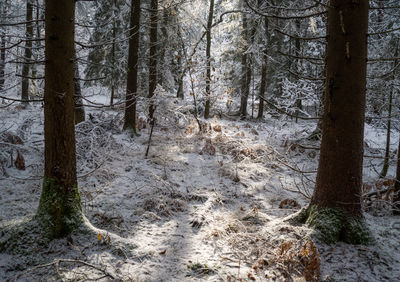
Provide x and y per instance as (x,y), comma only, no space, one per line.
(132,76)
(59,210)
(153,71)
(335,207)
(27,52)
(208,58)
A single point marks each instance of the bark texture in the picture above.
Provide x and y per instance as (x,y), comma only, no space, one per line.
(133,57)
(339,175)
(339,178)
(59,209)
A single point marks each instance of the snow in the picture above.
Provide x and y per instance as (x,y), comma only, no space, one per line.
(183,216)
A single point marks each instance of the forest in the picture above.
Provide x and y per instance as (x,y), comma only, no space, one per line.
(199,140)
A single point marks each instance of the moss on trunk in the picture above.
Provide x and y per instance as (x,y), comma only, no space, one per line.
(333,225)
(59,210)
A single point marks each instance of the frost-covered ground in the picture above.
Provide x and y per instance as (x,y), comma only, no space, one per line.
(202,206)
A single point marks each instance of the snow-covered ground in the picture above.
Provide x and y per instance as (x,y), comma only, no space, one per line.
(201,207)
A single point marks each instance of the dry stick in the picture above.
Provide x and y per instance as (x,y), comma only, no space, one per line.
(153,122)
(57,263)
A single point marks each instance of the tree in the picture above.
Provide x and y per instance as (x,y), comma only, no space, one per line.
(335,207)
(109,37)
(396,197)
(208,59)
(59,209)
(153,55)
(132,75)
(28,51)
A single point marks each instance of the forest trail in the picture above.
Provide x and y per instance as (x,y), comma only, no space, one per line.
(202,206)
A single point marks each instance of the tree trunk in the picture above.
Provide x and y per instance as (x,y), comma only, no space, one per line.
(79,109)
(132,76)
(2,60)
(389,123)
(245,83)
(263,74)
(153,55)
(335,207)
(59,209)
(298,66)
(208,58)
(396,194)
(28,52)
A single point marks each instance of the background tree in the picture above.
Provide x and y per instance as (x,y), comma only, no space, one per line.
(27,51)
(132,74)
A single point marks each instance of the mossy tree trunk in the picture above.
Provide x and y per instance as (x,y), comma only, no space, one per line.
(339,178)
(59,209)
(132,75)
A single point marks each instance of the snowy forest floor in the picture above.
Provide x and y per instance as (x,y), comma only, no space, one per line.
(201,207)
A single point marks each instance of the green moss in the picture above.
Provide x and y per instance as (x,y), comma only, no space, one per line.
(299,217)
(329,222)
(59,211)
(357,232)
(332,225)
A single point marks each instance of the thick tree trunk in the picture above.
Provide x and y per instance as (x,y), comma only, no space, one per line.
(79,109)
(396,197)
(335,208)
(133,57)
(28,51)
(208,58)
(153,71)
(60,207)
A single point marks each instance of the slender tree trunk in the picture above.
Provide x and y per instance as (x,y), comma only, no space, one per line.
(132,77)
(59,209)
(28,51)
(208,58)
(114,63)
(263,74)
(2,59)
(79,109)
(181,71)
(396,194)
(153,71)
(389,124)
(335,207)
(298,66)
(245,83)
